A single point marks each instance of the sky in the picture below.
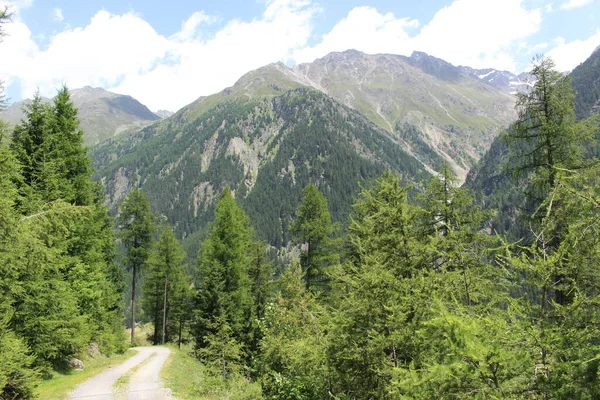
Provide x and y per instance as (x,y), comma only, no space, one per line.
(167,54)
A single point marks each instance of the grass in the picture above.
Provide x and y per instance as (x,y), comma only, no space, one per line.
(142,334)
(123,382)
(60,384)
(189,379)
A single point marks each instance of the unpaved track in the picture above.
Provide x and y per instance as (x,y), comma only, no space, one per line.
(144,382)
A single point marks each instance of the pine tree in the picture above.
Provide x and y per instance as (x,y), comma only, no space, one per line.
(163,283)
(450,224)
(17,375)
(67,146)
(545,136)
(224,289)
(379,293)
(137,224)
(313,231)
(31,144)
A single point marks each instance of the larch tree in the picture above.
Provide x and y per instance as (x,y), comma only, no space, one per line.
(223,298)
(137,224)
(163,283)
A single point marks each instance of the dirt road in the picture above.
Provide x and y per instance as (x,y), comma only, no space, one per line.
(135,379)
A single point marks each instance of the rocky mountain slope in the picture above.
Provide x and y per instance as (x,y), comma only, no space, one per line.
(585,79)
(436,110)
(490,179)
(103,114)
(503,80)
(266,149)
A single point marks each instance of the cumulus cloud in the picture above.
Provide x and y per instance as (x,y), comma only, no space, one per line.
(568,55)
(571,4)
(364,29)
(469,32)
(125,54)
(57,15)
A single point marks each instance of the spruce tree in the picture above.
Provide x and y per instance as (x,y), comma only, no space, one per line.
(137,224)
(17,375)
(313,231)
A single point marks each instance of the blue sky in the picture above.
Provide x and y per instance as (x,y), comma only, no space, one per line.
(167,54)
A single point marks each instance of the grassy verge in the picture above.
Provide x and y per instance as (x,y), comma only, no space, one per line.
(190,380)
(60,385)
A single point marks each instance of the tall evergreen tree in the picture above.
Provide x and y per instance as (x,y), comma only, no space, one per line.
(163,283)
(67,144)
(450,224)
(137,223)
(545,136)
(224,289)
(17,375)
(313,231)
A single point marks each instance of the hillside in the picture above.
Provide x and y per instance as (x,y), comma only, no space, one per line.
(265,149)
(436,110)
(103,114)
(494,187)
(586,83)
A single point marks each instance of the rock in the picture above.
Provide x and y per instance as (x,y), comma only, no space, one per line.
(75,363)
(94,350)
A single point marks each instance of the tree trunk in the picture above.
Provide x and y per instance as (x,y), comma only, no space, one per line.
(164,321)
(134,273)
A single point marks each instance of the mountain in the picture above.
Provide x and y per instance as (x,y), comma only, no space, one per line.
(265,149)
(504,80)
(338,122)
(585,79)
(490,180)
(164,113)
(438,112)
(103,114)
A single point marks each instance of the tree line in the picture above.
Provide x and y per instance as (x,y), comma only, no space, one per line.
(417,298)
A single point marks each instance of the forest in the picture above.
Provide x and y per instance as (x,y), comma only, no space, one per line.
(417,295)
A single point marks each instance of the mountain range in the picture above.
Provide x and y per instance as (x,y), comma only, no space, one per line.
(338,122)
(102,114)
(490,179)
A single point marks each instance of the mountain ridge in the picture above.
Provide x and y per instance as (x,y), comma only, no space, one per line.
(102,114)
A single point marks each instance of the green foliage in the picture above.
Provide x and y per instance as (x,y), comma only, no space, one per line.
(289,141)
(224,289)
(585,79)
(165,285)
(313,229)
(545,137)
(49,145)
(137,224)
(58,283)
(293,361)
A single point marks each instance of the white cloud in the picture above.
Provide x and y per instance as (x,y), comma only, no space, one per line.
(571,4)
(364,29)
(125,54)
(57,15)
(189,27)
(468,32)
(569,55)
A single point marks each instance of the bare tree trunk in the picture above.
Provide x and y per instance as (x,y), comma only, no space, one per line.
(134,272)
(164,329)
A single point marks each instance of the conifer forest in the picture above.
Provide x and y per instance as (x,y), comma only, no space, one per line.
(363,275)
